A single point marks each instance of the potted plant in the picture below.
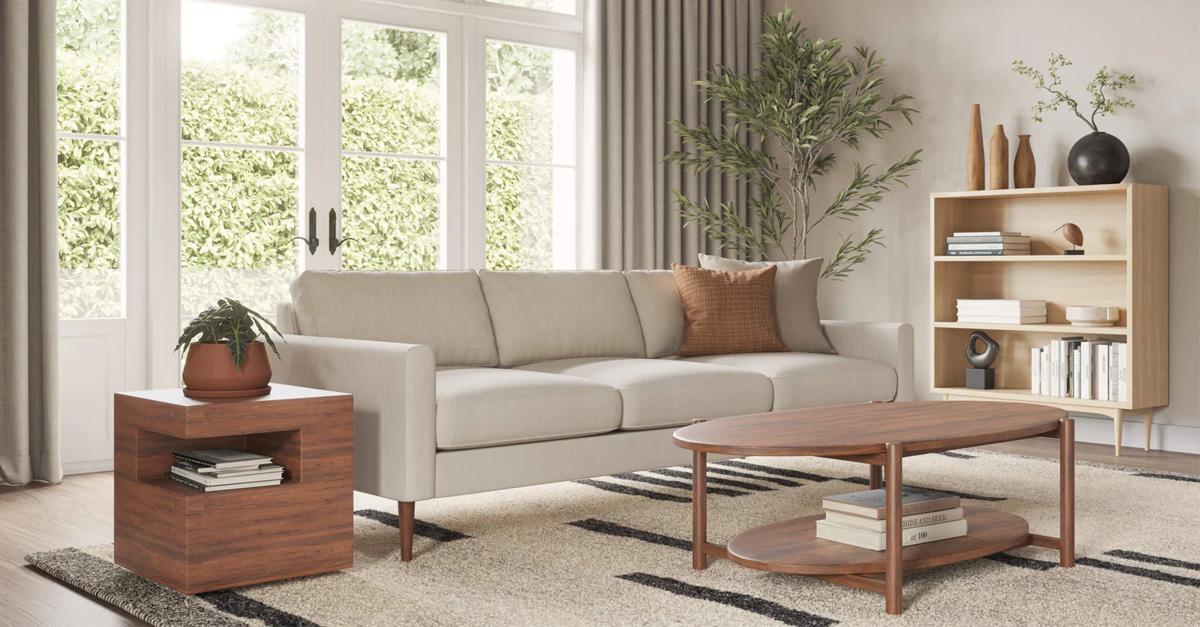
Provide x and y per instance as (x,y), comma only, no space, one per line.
(1097,158)
(225,358)
(808,103)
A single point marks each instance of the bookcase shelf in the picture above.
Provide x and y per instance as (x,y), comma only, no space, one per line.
(1125,265)
(1036,328)
(1030,258)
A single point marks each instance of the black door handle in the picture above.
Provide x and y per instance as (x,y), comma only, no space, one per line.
(334,242)
(312,241)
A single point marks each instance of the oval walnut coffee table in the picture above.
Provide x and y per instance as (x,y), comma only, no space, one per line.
(881,435)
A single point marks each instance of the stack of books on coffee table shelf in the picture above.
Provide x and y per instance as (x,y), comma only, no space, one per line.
(860,518)
(221,469)
(1001,311)
(986,243)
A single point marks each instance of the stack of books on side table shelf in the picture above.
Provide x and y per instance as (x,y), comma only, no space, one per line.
(860,518)
(220,469)
(1072,367)
(986,243)
(1001,311)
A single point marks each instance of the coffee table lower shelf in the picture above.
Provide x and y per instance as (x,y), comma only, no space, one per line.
(791,546)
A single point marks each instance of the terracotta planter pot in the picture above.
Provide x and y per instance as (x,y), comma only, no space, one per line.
(209,372)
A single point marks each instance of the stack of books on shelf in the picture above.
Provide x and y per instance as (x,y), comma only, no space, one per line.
(1073,367)
(220,469)
(986,243)
(1002,311)
(860,518)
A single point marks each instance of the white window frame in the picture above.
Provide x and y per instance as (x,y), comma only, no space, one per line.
(155,121)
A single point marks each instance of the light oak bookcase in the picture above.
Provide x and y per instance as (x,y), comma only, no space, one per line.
(1125,231)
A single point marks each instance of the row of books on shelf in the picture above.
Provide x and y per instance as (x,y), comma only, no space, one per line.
(1001,311)
(221,469)
(859,518)
(1073,367)
(986,243)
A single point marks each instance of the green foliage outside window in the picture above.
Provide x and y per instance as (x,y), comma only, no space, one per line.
(239,206)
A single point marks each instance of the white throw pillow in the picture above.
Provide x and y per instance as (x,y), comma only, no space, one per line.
(795,299)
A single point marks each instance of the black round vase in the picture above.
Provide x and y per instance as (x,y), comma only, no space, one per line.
(1098,158)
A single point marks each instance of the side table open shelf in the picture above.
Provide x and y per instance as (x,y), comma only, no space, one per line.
(1125,265)
(196,541)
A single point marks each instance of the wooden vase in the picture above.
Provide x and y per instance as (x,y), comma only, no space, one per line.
(998,159)
(1024,167)
(975,151)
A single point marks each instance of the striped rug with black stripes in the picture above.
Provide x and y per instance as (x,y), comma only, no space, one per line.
(615,551)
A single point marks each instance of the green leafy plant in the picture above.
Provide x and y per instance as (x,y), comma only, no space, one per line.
(232,324)
(1104,90)
(807,100)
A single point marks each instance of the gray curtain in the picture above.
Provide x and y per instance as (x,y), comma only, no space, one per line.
(28,245)
(651,52)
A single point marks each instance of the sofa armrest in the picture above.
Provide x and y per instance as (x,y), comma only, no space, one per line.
(887,342)
(393,388)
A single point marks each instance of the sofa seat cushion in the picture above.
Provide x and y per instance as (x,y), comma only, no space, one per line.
(479,407)
(814,379)
(667,392)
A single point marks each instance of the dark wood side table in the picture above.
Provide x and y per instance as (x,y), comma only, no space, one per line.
(881,435)
(194,541)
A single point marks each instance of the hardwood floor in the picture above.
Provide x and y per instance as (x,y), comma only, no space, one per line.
(79,512)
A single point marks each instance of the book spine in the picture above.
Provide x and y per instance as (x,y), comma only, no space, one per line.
(1085,374)
(1035,370)
(1046,371)
(192,460)
(1054,359)
(1123,374)
(978,253)
(187,482)
(988,239)
(1075,393)
(1102,378)
(1114,371)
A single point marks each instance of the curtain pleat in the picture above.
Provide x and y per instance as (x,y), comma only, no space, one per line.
(651,53)
(29,430)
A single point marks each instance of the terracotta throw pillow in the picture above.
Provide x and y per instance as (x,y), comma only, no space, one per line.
(727,312)
(795,299)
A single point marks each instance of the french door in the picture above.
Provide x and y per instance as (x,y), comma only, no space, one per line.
(216,148)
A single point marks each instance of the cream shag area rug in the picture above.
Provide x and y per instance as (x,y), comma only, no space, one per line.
(615,551)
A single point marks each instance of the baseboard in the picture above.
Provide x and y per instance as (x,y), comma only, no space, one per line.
(1175,438)
(83,468)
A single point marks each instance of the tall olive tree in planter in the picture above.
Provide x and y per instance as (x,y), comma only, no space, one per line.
(807,100)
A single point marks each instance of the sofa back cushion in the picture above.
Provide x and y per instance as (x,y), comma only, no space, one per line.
(659,310)
(443,310)
(539,316)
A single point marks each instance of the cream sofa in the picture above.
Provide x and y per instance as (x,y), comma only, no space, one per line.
(472,381)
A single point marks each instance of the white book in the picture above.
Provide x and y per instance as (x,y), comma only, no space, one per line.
(987,233)
(982,319)
(1001,311)
(1114,371)
(1005,307)
(1000,302)
(1046,371)
(1102,372)
(996,246)
(877,541)
(1085,374)
(1064,382)
(1075,369)
(907,522)
(1055,352)
(1123,374)
(1035,370)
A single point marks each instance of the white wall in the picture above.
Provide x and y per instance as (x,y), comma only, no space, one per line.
(951,53)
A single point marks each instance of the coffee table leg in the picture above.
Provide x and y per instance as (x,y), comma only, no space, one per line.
(699,509)
(895,536)
(1066,492)
(876,477)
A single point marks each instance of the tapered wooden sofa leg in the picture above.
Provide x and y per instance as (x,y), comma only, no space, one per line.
(406,529)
